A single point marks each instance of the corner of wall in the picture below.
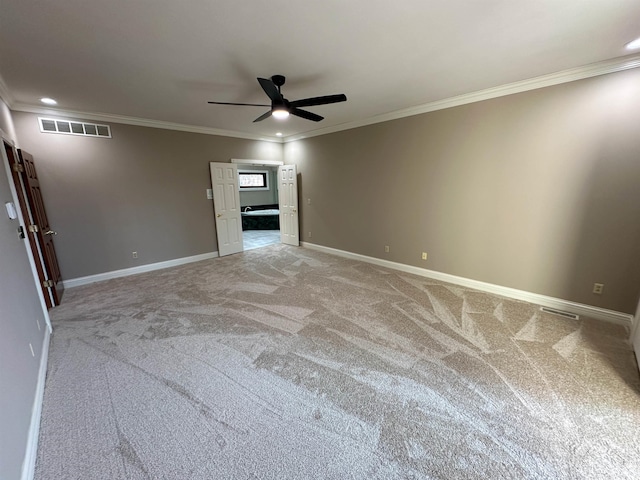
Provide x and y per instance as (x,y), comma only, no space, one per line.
(6,122)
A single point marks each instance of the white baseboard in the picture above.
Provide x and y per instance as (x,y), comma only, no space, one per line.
(31,453)
(557,303)
(76,282)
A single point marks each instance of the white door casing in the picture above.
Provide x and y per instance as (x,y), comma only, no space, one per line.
(226,205)
(635,335)
(288,199)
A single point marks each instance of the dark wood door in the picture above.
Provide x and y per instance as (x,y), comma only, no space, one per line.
(34,242)
(43,231)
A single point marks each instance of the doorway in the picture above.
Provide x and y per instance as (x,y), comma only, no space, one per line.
(255,204)
(260,209)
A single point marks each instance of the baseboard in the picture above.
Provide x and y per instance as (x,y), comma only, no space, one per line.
(543,300)
(31,453)
(76,282)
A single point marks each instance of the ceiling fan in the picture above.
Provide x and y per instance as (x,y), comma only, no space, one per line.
(281,107)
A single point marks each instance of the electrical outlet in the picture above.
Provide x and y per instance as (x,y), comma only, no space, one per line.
(309,234)
(386,248)
(308,201)
(134,254)
(424,255)
(598,288)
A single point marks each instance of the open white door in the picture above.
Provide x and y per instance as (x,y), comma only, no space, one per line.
(226,205)
(288,199)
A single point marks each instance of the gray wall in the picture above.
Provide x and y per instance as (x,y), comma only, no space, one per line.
(536,191)
(262,197)
(21,323)
(143,190)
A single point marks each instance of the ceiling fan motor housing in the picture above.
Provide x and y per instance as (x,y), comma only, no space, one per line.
(278,80)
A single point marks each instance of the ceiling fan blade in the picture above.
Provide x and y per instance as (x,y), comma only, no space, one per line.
(263,116)
(306,115)
(310,102)
(241,104)
(271,90)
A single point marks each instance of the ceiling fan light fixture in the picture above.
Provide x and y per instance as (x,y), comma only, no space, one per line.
(280,113)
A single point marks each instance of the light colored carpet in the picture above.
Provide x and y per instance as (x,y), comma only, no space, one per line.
(285,363)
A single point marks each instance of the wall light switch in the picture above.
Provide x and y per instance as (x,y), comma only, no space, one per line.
(209,194)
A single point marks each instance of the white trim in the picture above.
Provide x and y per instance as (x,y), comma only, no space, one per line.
(140,122)
(565,76)
(543,300)
(125,272)
(31,452)
(592,70)
(635,334)
(5,94)
(267,163)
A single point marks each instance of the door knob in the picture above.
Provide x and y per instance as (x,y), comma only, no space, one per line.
(50,232)
(294,210)
(219,215)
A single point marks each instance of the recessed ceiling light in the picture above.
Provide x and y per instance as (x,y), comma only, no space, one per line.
(48,101)
(634,45)
(279,134)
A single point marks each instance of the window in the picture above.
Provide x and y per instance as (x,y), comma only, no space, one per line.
(253,180)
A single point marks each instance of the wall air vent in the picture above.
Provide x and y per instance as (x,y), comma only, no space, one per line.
(560,312)
(70,127)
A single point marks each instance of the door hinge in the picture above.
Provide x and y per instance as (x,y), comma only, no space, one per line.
(33,228)
(47,283)
(18,168)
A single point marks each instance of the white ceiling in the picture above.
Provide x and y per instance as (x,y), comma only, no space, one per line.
(164,59)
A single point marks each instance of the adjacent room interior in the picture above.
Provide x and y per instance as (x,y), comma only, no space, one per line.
(441,274)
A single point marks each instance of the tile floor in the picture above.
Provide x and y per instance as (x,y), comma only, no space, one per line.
(259,238)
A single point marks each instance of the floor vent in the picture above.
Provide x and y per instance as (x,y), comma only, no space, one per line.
(70,127)
(560,312)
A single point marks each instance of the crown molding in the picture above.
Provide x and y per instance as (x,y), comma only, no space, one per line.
(5,94)
(565,76)
(140,122)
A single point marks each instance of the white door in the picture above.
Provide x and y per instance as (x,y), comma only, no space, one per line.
(226,206)
(288,199)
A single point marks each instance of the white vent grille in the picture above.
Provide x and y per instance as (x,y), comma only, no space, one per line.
(560,312)
(70,127)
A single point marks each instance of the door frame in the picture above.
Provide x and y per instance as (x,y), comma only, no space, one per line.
(257,163)
(34,261)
